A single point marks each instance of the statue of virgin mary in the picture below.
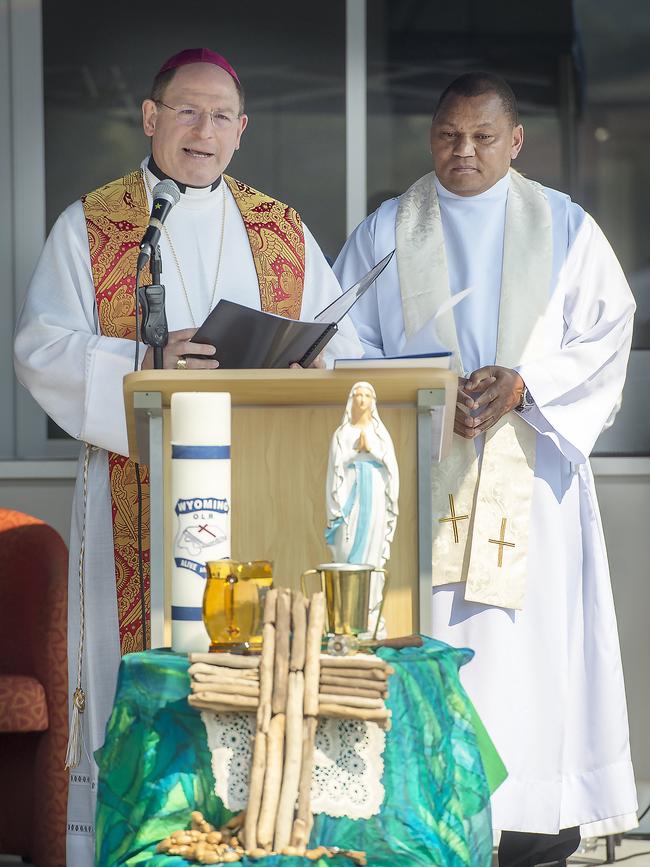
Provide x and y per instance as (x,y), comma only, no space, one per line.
(362,489)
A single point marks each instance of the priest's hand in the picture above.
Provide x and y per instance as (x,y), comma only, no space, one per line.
(488,394)
(463,420)
(179,346)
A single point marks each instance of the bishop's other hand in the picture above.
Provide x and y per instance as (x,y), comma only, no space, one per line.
(178,347)
(483,398)
(318,362)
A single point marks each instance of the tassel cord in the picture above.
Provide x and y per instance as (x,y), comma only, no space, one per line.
(75,740)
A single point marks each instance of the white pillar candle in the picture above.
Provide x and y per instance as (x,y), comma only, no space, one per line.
(200,485)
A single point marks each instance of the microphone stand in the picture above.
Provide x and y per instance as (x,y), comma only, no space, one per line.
(154,320)
(154,332)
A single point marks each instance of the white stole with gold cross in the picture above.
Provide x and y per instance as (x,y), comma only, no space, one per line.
(481,511)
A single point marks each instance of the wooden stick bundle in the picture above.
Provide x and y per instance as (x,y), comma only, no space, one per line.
(349,700)
(230,660)
(312,652)
(379,715)
(352,690)
(361,660)
(255,790)
(304,817)
(259,776)
(282,634)
(378,674)
(218,677)
(359,682)
(272,781)
(299,632)
(292,761)
(245,703)
(215,707)
(227,686)
(202,669)
(267,661)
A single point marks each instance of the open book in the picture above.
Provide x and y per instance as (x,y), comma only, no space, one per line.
(248,338)
(428,359)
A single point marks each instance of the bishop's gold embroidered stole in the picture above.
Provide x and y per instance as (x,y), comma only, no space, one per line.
(481,510)
(116,218)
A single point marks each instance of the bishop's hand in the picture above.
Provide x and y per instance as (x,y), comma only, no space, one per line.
(318,362)
(178,346)
(488,394)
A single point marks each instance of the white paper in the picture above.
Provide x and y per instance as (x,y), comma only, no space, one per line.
(426,340)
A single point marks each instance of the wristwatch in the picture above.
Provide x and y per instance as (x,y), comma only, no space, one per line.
(526,401)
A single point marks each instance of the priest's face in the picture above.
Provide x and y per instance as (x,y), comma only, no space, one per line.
(197,126)
(473,142)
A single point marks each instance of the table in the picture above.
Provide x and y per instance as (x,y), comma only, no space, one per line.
(439,769)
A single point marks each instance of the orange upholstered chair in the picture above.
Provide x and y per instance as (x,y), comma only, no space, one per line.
(33,689)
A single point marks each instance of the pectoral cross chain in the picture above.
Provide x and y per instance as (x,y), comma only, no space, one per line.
(501,542)
(453,518)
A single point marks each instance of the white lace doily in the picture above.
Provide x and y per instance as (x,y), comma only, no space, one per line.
(348,763)
(348,768)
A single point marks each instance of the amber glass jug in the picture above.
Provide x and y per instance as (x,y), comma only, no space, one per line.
(233,603)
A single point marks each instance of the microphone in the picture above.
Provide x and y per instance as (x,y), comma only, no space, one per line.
(165,195)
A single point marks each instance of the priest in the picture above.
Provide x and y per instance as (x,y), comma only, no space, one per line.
(75,341)
(541,343)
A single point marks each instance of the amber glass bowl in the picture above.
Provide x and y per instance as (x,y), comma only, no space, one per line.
(233,603)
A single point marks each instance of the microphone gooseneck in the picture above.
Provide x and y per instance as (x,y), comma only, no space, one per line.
(165,195)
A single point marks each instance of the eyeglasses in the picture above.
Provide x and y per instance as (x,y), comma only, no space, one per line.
(187,116)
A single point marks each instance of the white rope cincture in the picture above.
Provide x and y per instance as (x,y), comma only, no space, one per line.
(75,739)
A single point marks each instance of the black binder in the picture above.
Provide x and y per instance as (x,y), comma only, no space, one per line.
(245,338)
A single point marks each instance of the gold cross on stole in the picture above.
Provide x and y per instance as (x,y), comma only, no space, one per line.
(501,542)
(453,518)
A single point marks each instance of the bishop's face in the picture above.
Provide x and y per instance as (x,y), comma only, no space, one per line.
(195,154)
(473,142)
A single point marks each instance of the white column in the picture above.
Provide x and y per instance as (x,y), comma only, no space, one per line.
(355,113)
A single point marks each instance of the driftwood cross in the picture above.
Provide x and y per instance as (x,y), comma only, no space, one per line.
(289,687)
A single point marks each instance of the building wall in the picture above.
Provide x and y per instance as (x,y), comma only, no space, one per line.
(48,499)
(625,507)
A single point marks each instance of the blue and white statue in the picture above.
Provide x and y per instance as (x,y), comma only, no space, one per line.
(362,490)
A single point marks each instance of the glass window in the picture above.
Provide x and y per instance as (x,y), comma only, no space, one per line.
(415,51)
(614,170)
(614,180)
(580,70)
(98,70)
(581,74)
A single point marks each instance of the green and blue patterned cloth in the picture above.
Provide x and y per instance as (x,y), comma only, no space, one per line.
(439,769)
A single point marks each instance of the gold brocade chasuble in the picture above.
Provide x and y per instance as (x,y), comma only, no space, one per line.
(116,218)
(481,509)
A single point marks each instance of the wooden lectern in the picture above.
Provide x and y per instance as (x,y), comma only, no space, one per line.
(282,424)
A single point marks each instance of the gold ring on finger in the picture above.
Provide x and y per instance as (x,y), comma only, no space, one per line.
(181,363)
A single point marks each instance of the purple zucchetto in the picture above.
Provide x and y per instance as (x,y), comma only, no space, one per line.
(197,55)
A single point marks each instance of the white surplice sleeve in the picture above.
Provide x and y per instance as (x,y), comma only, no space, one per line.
(71,370)
(578,386)
(377,315)
(321,288)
